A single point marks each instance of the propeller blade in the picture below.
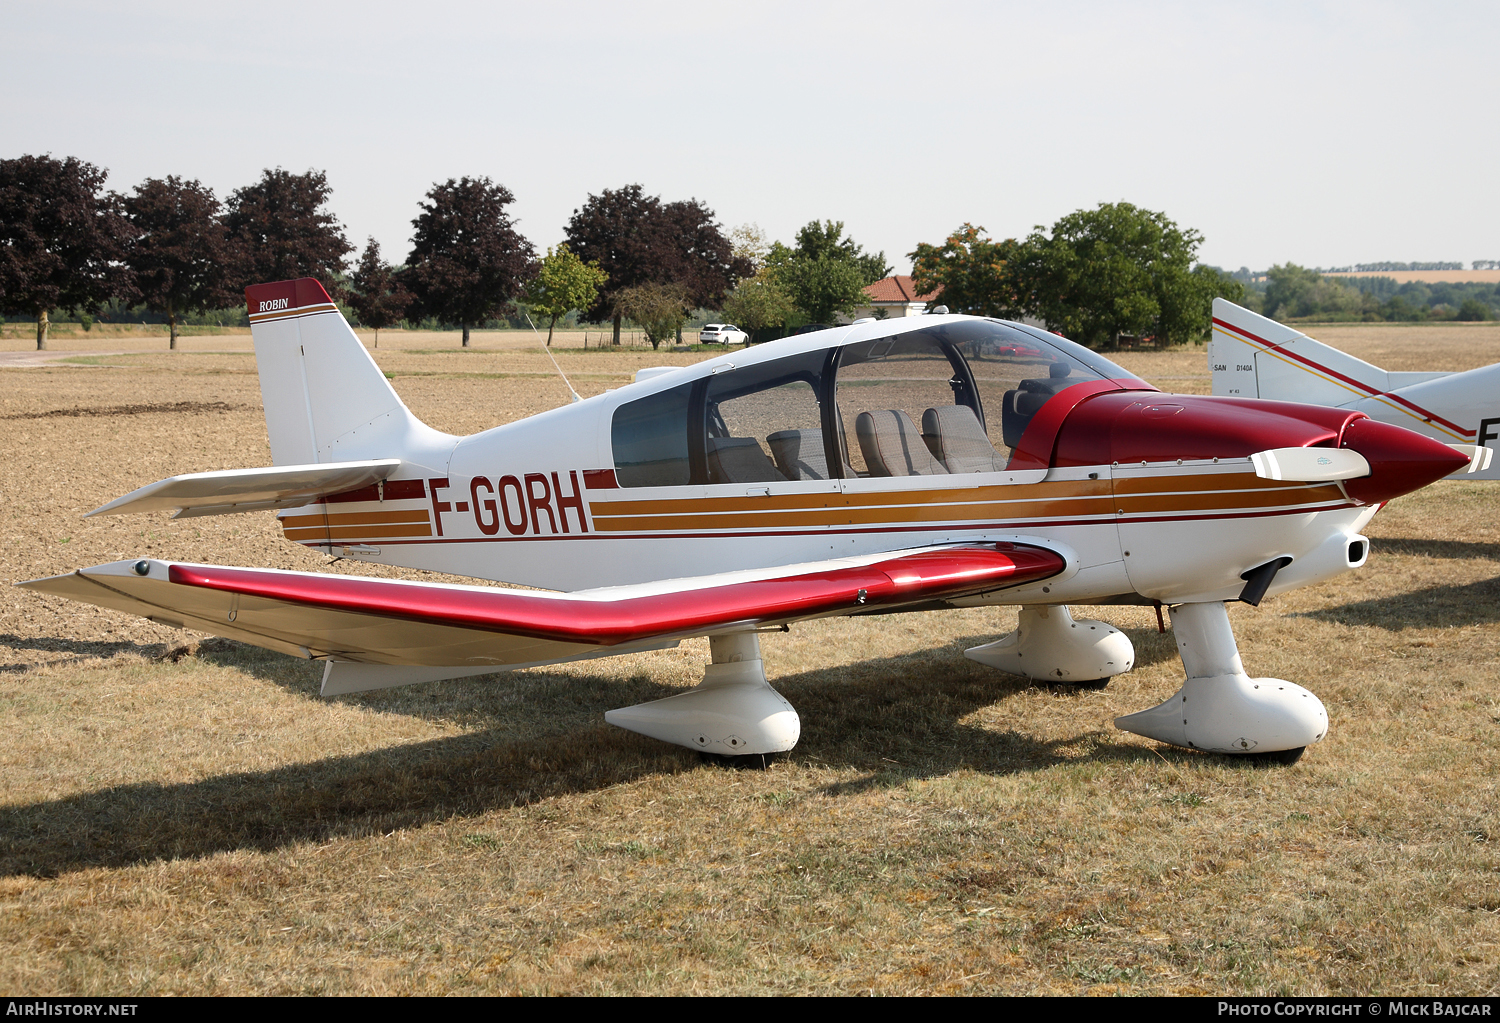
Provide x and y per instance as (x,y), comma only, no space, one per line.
(1309,465)
(1479,457)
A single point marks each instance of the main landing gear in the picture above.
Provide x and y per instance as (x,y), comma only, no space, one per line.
(1049,646)
(733,712)
(1221,709)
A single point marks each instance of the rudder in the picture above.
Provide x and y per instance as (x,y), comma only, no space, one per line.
(325,398)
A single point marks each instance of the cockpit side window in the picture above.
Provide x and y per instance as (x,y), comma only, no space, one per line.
(765,423)
(885,387)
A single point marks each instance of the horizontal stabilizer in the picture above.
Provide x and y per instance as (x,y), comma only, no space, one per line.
(243,490)
(1310,465)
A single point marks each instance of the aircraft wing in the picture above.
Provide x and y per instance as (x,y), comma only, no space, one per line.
(479,628)
(243,490)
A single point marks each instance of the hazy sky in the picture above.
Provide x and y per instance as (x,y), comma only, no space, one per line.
(1317,133)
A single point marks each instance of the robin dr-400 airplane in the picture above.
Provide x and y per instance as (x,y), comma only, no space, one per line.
(774,485)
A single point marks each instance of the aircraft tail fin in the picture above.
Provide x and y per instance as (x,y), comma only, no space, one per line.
(1252,356)
(325,398)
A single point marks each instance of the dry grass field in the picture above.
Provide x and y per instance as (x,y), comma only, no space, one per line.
(185,815)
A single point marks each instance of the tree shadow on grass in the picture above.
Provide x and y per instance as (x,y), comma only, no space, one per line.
(1476,603)
(1151,646)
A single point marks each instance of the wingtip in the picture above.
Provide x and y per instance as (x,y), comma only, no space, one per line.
(40,584)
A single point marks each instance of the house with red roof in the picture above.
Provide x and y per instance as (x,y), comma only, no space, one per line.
(894,296)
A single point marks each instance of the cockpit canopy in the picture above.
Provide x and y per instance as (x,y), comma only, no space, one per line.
(954,397)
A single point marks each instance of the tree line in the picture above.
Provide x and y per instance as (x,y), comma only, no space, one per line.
(1292,292)
(1388,267)
(170,245)
(174,248)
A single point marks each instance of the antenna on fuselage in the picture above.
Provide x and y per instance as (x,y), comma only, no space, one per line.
(548,350)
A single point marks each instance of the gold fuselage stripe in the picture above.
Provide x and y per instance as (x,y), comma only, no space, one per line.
(1135,496)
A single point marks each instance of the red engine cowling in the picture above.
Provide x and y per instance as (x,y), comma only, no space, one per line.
(1137,426)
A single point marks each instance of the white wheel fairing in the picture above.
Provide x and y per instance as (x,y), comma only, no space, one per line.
(1049,645)
(1219,708)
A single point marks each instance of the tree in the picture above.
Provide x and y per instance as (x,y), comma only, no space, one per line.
(563,283)
(826,273)
(820,288)
(281,230)
(748,242)
(1293,291)
(758,302)
(467,260)
(636,240)
(659,309)
(180,254)
(378,296)
(827,241)
(62,242)
(616,231)
(1115,271)
(971,271)
(697,255)
(1473,309)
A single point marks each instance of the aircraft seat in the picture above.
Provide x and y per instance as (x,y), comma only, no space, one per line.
(740,460)
(799,454)
(1019,405)
(892,446)
(956,439)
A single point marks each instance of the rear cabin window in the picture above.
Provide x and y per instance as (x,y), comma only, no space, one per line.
(650,439)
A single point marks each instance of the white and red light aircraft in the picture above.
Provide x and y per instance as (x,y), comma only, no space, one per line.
(1256,357)
(774,485)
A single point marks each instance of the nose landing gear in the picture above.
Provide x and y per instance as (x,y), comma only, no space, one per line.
(1219,708)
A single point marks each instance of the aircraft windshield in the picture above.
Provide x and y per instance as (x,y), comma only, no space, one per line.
(951,398)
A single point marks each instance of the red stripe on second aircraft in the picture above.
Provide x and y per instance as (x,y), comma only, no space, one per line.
(1373,392)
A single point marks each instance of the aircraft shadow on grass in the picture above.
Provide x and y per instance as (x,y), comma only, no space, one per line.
(1437,607)
(541,736)
(1458,550)
(82,650)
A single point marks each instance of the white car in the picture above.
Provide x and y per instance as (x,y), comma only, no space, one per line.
(722,334)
